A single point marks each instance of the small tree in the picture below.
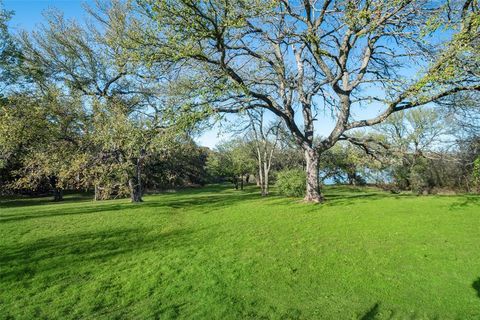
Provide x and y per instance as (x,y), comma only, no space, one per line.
(232,160)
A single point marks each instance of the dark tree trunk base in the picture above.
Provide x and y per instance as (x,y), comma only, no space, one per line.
(136,196)
(57,195)
(135,191)
(319,199)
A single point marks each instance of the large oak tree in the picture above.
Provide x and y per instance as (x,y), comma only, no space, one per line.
(357,61)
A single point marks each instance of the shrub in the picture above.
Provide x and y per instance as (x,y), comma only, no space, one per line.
(476,174)
(420,177)
(291,182)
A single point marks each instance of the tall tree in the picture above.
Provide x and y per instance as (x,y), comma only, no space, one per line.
(265,137)
(302,57)
(127,100)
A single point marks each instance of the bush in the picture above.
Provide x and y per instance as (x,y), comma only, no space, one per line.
(291,183)
(476,174)
(420,177)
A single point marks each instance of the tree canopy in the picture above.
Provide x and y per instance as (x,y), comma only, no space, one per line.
(306,57)
(101,102)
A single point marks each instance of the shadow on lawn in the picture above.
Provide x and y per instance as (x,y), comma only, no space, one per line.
(62,211)
(208,202)
(63,255)
(342,199)
(336,196)
(466,201)
(27,201)
(372,313)
(476,286)
(18,202)
(195,201)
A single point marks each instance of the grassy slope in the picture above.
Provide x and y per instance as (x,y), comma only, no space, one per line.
(220,254)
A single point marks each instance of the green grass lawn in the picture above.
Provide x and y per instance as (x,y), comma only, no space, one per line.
(216,253)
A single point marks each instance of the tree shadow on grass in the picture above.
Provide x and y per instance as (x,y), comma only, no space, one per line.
(476,286)
(374,313)
(63,211)
(200,203)
(29,201)
(371,313)
(342,199)
(66,253)
(466,201)
(337,196)
(26,201)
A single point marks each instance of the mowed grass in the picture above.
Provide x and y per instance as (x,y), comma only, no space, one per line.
(216,253)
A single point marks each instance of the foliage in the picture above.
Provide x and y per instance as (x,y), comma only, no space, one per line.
(414,138)
(347,163)
(180,163)
(286,56)
(419,178)
(232,160)
(143,74)
(476,173)
(43,134)
(291,183)
(127,115)
(9,53)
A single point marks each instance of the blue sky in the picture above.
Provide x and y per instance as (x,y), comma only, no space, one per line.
(28,13)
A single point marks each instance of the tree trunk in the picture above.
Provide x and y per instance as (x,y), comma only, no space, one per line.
(313,183)
(57,192)
(350,179)
(265,186)
(135,190)
(241,182)
(260,181)
(263,191)
(135,184)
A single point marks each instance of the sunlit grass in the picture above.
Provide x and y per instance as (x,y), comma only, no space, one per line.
(217,253)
